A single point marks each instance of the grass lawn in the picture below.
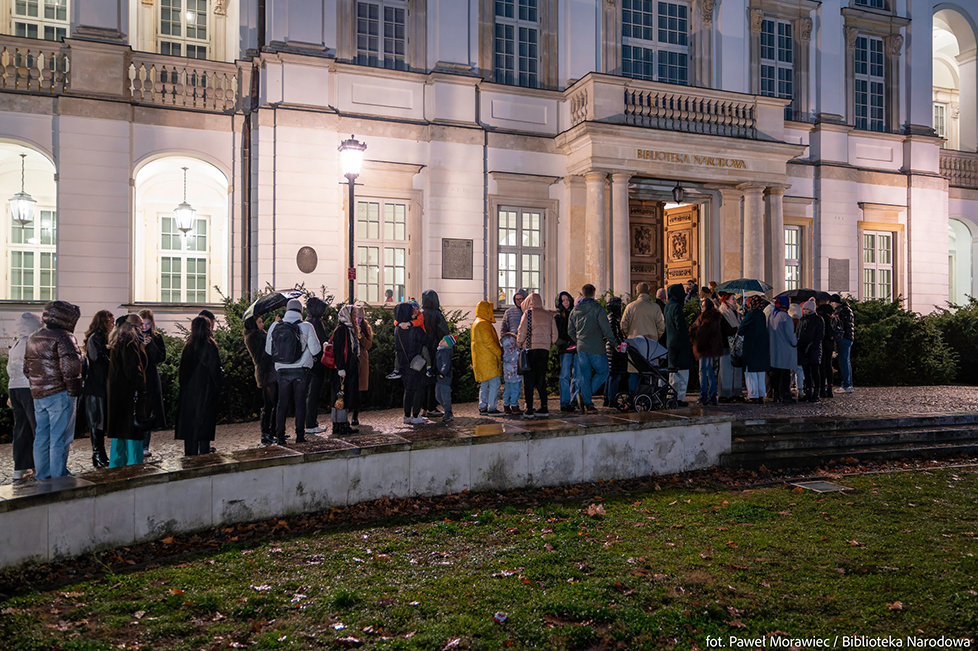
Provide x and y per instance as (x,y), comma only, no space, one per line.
(658,569)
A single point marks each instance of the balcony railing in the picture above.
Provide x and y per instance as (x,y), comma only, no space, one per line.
(175,81)
(960,168)
(30,65)
(603,98)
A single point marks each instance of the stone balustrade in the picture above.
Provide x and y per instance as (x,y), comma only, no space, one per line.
(654,105)
(183,83)
(31,65)
(960,168)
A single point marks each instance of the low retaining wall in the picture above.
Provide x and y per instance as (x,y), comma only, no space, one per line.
(70,516)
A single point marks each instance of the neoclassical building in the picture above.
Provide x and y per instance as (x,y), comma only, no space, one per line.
(509,143)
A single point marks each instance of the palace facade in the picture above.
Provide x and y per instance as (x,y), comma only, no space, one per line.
(510,143)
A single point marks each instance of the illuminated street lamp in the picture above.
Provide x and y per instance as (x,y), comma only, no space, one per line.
(184,213)
(351,158)
(22,204)
(679,193)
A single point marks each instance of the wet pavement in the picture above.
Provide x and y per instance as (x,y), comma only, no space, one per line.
(241,441)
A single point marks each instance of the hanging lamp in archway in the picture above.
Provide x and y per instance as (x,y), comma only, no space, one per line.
(22,204)
(184,213)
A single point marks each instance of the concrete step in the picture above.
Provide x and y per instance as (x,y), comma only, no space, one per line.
(772,426)
(800,458)
(763,443)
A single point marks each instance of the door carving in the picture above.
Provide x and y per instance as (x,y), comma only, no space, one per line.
(681,244)
(645,243)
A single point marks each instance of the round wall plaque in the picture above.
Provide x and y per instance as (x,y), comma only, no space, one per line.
(306,259)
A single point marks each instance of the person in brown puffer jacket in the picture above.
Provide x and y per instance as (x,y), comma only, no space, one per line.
(53,366)
(707,348)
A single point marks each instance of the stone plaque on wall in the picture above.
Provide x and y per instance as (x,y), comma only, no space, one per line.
(456,259)
(838,275)
(306,259)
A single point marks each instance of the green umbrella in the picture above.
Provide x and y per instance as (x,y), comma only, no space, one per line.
(743,285)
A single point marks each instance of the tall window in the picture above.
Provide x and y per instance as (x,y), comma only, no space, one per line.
(382,251)
(33,258)
(792,257)
(381,34)
(183,28)
(869,83)
(521,252)
(183,262)
(655,41)
(778,62)
(940,121)
(516,42)
(47,19)
(872,4)
(877,266)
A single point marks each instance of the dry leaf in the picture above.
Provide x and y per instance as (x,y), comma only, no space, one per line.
(452,643)
(349,641)
(139,614)
(169,540)
(896,605)
(595,509)
(737,624)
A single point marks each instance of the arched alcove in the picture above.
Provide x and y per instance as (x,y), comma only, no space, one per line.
(955,78)
(961,260)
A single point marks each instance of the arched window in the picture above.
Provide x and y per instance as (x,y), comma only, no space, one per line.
(171,265)
(30,248)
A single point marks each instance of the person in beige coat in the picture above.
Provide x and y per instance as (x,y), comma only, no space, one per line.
(642,318)
(537,333)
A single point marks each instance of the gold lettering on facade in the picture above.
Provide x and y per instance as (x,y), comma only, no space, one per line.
(686,159)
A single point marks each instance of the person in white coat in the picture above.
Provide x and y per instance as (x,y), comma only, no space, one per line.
(293,345)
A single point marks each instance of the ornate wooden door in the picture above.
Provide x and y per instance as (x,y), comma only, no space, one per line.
(645,243)
(681,244)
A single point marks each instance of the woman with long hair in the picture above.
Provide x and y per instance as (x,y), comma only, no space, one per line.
(265,376)
(128,405)
(95,388)
(366,343)
(707,342)
(346,348)
(200,389)
(155,355)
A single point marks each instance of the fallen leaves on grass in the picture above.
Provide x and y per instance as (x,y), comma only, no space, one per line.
(452,643)
(896,605)
(349,641)
(594,510)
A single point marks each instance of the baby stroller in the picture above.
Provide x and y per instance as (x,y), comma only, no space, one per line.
(654,390)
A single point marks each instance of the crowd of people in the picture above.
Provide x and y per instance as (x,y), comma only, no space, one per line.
(751,342)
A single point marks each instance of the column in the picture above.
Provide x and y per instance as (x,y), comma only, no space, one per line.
(620,249)
(968,102)
(775,211)
(753,230)
(731,236)
(596,239)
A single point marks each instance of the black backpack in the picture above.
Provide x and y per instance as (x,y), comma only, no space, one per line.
(286,343)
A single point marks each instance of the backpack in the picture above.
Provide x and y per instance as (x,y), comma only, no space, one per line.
(837,330)
(286,343)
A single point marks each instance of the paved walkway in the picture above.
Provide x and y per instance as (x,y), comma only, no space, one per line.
(875,401)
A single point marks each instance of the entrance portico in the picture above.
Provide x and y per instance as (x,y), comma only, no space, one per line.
(737,186)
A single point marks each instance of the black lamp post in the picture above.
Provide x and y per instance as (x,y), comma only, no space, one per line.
(351,158)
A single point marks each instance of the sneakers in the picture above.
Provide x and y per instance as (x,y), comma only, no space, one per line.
(515,410)
(435,413)
(447,418)
(420,420)
(542,414)
(507,410)
(528,415)
(493,412)
(394,375)
(407,420)
(267,439)
(590,409)
(848,390)
(315,430)
(483,411)
(19,474)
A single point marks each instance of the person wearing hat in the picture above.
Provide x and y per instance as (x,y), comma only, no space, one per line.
(293,345)
(513,316)
(783,345)
(443,385)
(843,314)
(810,335)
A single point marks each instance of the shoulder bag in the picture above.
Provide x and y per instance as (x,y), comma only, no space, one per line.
(523,367)
(329,355)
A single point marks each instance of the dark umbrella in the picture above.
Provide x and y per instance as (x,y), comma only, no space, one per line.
(271,302)
(743,285)
(802,295)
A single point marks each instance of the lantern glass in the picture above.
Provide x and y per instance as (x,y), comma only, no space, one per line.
(184,214)
(679,193)
(351,156)
(22,208)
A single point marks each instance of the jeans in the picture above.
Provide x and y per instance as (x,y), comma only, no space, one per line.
(568,381)
(24,426)
(845,363)
(489,393)
(443,394)
(708,380)
(613,386)
(55,417)
(730,378)
(679,380)
(592,373)
(511,392)
(123,452)
(756,384)
(293,386)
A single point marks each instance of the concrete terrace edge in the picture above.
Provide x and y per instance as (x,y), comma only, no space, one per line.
(71,516)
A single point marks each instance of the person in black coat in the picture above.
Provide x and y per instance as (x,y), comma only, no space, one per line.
(129,404)
(95,387)
(315,309)
(810,335)
(757,349)
(346,349)
(200,389)
(265,376)
(617,361)
(680,350)
(435,328)
(409,341)
(155,355)
(825,311)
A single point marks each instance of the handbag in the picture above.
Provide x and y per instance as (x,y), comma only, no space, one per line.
(736,343)
(418,363)
(329,355)
(142,423)
(523,365)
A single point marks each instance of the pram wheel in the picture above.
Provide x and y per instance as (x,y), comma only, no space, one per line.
(643,402)
(672,403)
(623,401)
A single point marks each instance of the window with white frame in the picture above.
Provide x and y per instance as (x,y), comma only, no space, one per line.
(382,34)
(183,28)
(778,62)
(520,251)
(940,121)
(877,266)
(32,257)
(655,41)
(792,257)
(184,259)
(869,99)
(516,42)
(872,4)
(382,250)
(45,19)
